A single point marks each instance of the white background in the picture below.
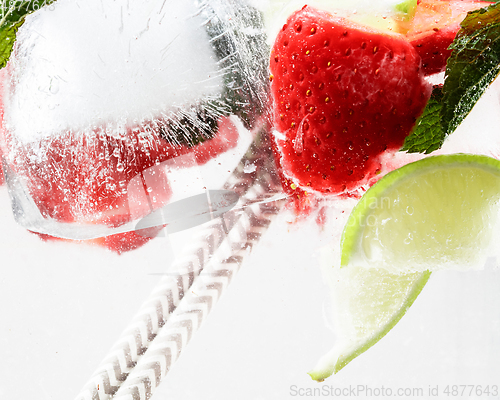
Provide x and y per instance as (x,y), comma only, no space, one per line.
(63,305)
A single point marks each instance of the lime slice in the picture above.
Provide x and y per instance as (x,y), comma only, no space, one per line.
(439,212)
(436,213)
(368,303)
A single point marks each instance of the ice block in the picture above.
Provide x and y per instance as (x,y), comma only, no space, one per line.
(150,83)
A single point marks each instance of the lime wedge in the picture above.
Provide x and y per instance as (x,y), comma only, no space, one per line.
(436,213)
(368,303)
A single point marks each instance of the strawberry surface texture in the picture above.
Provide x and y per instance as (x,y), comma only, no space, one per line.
(434,27)
(343,94)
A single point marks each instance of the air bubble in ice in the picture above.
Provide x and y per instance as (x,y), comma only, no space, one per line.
(249,168)
(54,86)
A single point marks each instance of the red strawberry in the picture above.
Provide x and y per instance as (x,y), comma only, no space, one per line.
(101,178)
(343,94)
(433,28)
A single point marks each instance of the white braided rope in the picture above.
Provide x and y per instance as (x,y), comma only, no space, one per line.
(195,307)
(215,243)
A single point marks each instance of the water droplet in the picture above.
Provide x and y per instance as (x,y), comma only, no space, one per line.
(409,210)
(298,143)
(54,86)
(408,239)
(249,168)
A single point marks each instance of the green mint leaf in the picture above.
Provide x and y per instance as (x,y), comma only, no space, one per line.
(12,16)
(473,65)
(428,134)
(7,39)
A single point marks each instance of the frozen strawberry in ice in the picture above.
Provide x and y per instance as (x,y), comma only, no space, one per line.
(86,111)
(343,94)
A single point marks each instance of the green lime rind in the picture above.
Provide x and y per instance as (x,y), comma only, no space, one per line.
(12,15)
(337,359)
(418,285)
(352,233)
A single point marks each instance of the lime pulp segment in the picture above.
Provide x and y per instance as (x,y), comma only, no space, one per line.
(436,213)
(368,303)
